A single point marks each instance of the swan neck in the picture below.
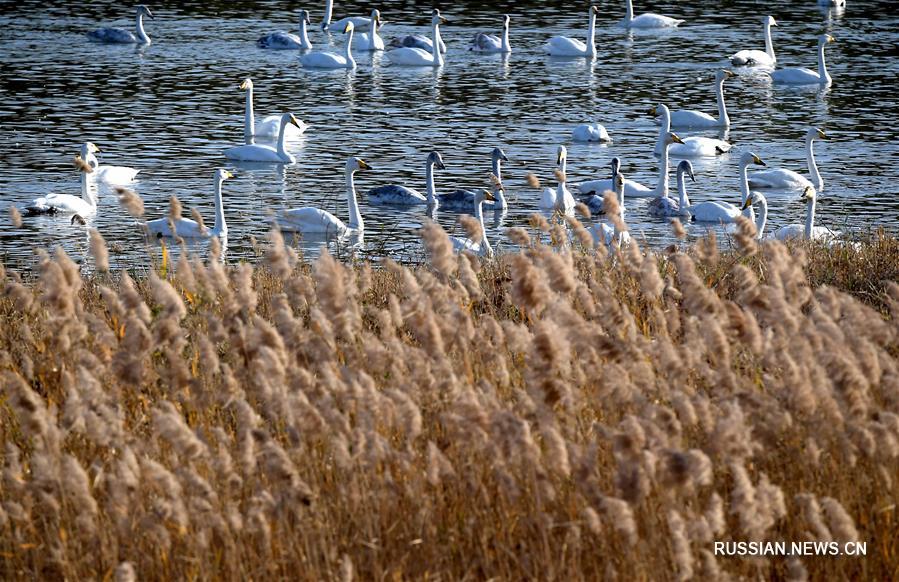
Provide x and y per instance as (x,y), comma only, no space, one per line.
(429,182)
(723,118)
(810,218)
(662,188)
(664,128)
(139,27)
(629,11)
(326,21)
(507,47)
(435,40)
(88,190)
(812,165)
(682,198)
(304,34)
(282,137)
(355,215)
(762,218)
(497,169)
(822,65)
(479,214)
(347,53)
(249,122)
(769,46)
(744,183)
(591,35)
(220,226)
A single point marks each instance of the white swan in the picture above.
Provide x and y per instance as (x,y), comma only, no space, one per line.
(372,41)
(464,199)
(559,198)
(647,19)
(662,204)
(481,247)
(116,175)
(710,211)
(187,228)
(269,126)
(488,43)
(403,196)
(417,57)
(803,76)
(762,217)
(596,188)
(315,220)
(691,147)
(692,118)
(419,40)
(84,205)
(608,235)
(781,179)
(286,41)
(591,132)
(837,3)
(329,60)
(266,153)
(807,230)
(755,57)
(122,36)
(361,23)
(563,46)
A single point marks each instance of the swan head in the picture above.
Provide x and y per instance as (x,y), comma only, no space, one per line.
(685,167)
(723,74)
(815,133)
(354,164)
(376,16)
(221,175)
(824,39)
(750,199)
(561,155)
(808,194)
(436,18)
(618,183)
(348,28)
(660,109)
(749,158)
(616,166)
(769,21)
(498,154)
(434,159)
(506,20)
(484,195)
(246,85)
(89,148)
(143,9)
(292,120)
(672,138)
(304,16)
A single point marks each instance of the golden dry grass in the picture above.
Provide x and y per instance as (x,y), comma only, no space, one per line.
(560,413)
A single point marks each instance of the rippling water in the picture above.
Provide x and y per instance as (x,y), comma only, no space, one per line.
(172,108)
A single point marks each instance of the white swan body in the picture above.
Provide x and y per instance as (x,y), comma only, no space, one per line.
(761,219)
(116,175)
(662,204)
(803,76)
(417,57)
(563,46)
(317,221)
(692,118)
(691,147)
(559,199)
(647,20)
(187,228)
(488,43)
(403,196)
(329,60)
(122,36)
(831,2)
(372,41)
(84,205)
(755,57)
(781,179)
(608,235)
(481,247)
(286,41)
(268,127)
(464,199)
(711,211)
(807,230)
(591,132)
(266,153)
(596,188)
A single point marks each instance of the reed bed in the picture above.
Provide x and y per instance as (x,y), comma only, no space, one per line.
(561,413)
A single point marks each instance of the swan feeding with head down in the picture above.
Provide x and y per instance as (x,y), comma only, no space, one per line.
(115,175)
(780,179)
(417,57)
(122,36)
(691,147)
(464,199)
(286,41)
(481,247)
(329,60)
(269,126)
(647,19)
(312,220)
(404,196)
(488,43)
(594,189)
(591,132)
(187,228)
(419,40)
(662,204)
(266,153)
(564,46)
(697,119)
(560,198)
(755,57)
(83,206)
(803,76)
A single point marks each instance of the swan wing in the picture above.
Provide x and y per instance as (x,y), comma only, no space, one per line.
(324,60)
(311,220)
(563,46)
(253,153)
(692,118)
(483,42)
(699,147)
(717,212)
(116,174)
(650,20)
(788,232)
(795,76)
(280,41)
(112,35)
(413,41)
(460,199)
(751,58)
(396,194)
(184,227)
(664,206)
(410,56)
(360,24)
(548,199)
(60,204)
(778,178)
(590,132)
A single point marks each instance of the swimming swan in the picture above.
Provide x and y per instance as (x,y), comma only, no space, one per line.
(781,179)
(361,23)
(420,41)
(646,20)
(84,205)
(596,188)
(187,228)
(116,175)
(692,118)
(662,204)
(711,211)
(329,60)
(608,235)
(315,220)
(762,217)
(286,41)
(488,43)
(807,230)
(122,36)
(372,41)
(269,126)
(559,199)
(803,76)
(403,196)
(266,153)
(691,147)
(755,57)
(417,57)
(591,132)
(563,46)
(464,199)
(481,247)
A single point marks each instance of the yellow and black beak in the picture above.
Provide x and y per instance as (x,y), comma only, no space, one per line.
(363,165)
(246,84)
(831,39)
(348,27)
(227,174)
(96,148)
(748,202)
(654,110)
(148,13)
(807,194)
(295,121)
(729,73)
(758,161)
(821,134)
(488,196)
(676,139)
